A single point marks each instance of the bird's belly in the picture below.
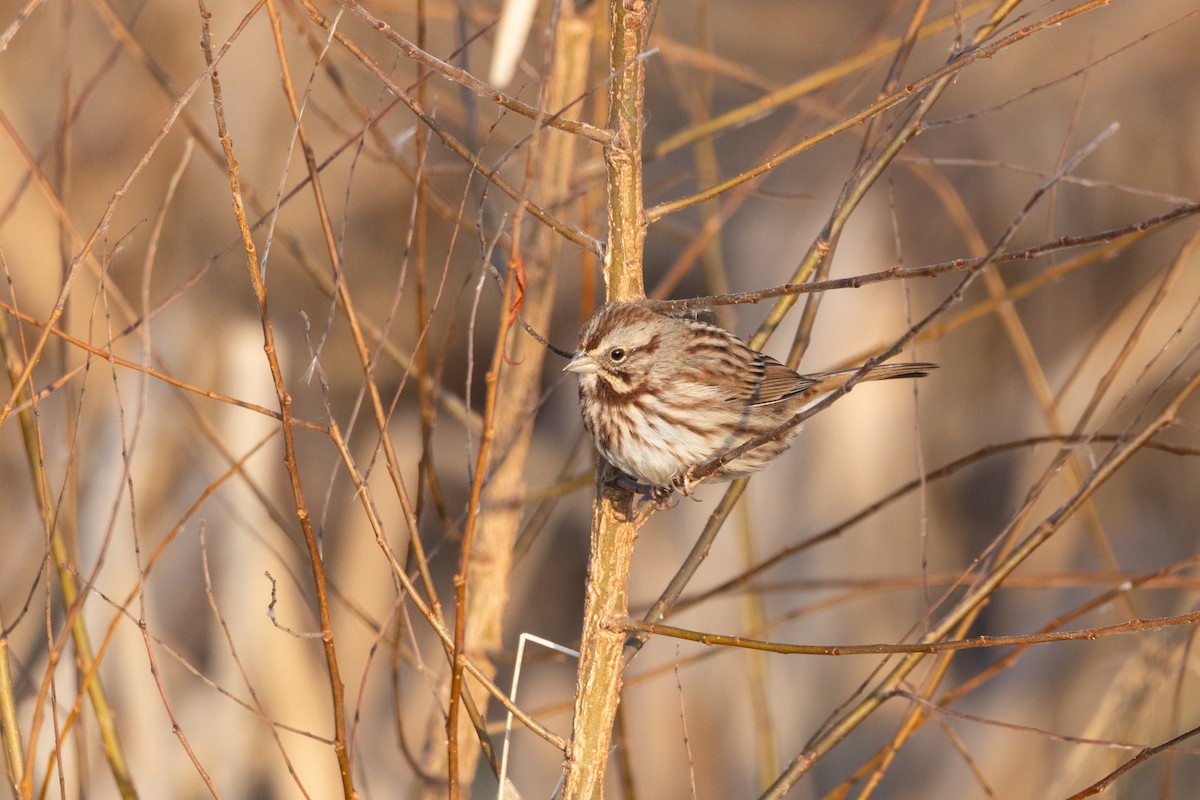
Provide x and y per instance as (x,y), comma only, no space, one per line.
(659,446)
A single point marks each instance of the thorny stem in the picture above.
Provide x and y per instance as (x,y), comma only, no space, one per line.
(809,84)
(316,562)
(939,78)
(926,648)
(979,594)
(73,598)
(1116,237)
(460,578)
(450,141)
(933,85)
(469,81)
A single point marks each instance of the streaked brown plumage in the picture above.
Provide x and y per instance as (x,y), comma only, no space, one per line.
(661,395)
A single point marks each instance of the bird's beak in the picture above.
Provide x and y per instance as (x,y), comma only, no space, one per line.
(581,363)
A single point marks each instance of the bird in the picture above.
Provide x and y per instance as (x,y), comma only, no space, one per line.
(662,394)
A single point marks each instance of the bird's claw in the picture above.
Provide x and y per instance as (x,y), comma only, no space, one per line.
(663,497)
(685,483)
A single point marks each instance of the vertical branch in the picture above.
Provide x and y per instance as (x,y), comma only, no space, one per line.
(488,564)
(73,599)
(614,525)
(11,733)
(469,527)
(626,216)
(316,562)
(13,760)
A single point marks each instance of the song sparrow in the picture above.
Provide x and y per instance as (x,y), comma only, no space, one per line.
(661,395)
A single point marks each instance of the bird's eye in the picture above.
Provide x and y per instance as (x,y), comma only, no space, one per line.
(617,353)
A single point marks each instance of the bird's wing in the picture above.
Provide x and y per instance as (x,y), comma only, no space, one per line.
(767,381)
(780,383)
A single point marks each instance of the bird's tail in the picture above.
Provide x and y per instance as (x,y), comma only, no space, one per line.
(886,372)
(824,382)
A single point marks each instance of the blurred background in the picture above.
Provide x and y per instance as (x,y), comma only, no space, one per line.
(166,498)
